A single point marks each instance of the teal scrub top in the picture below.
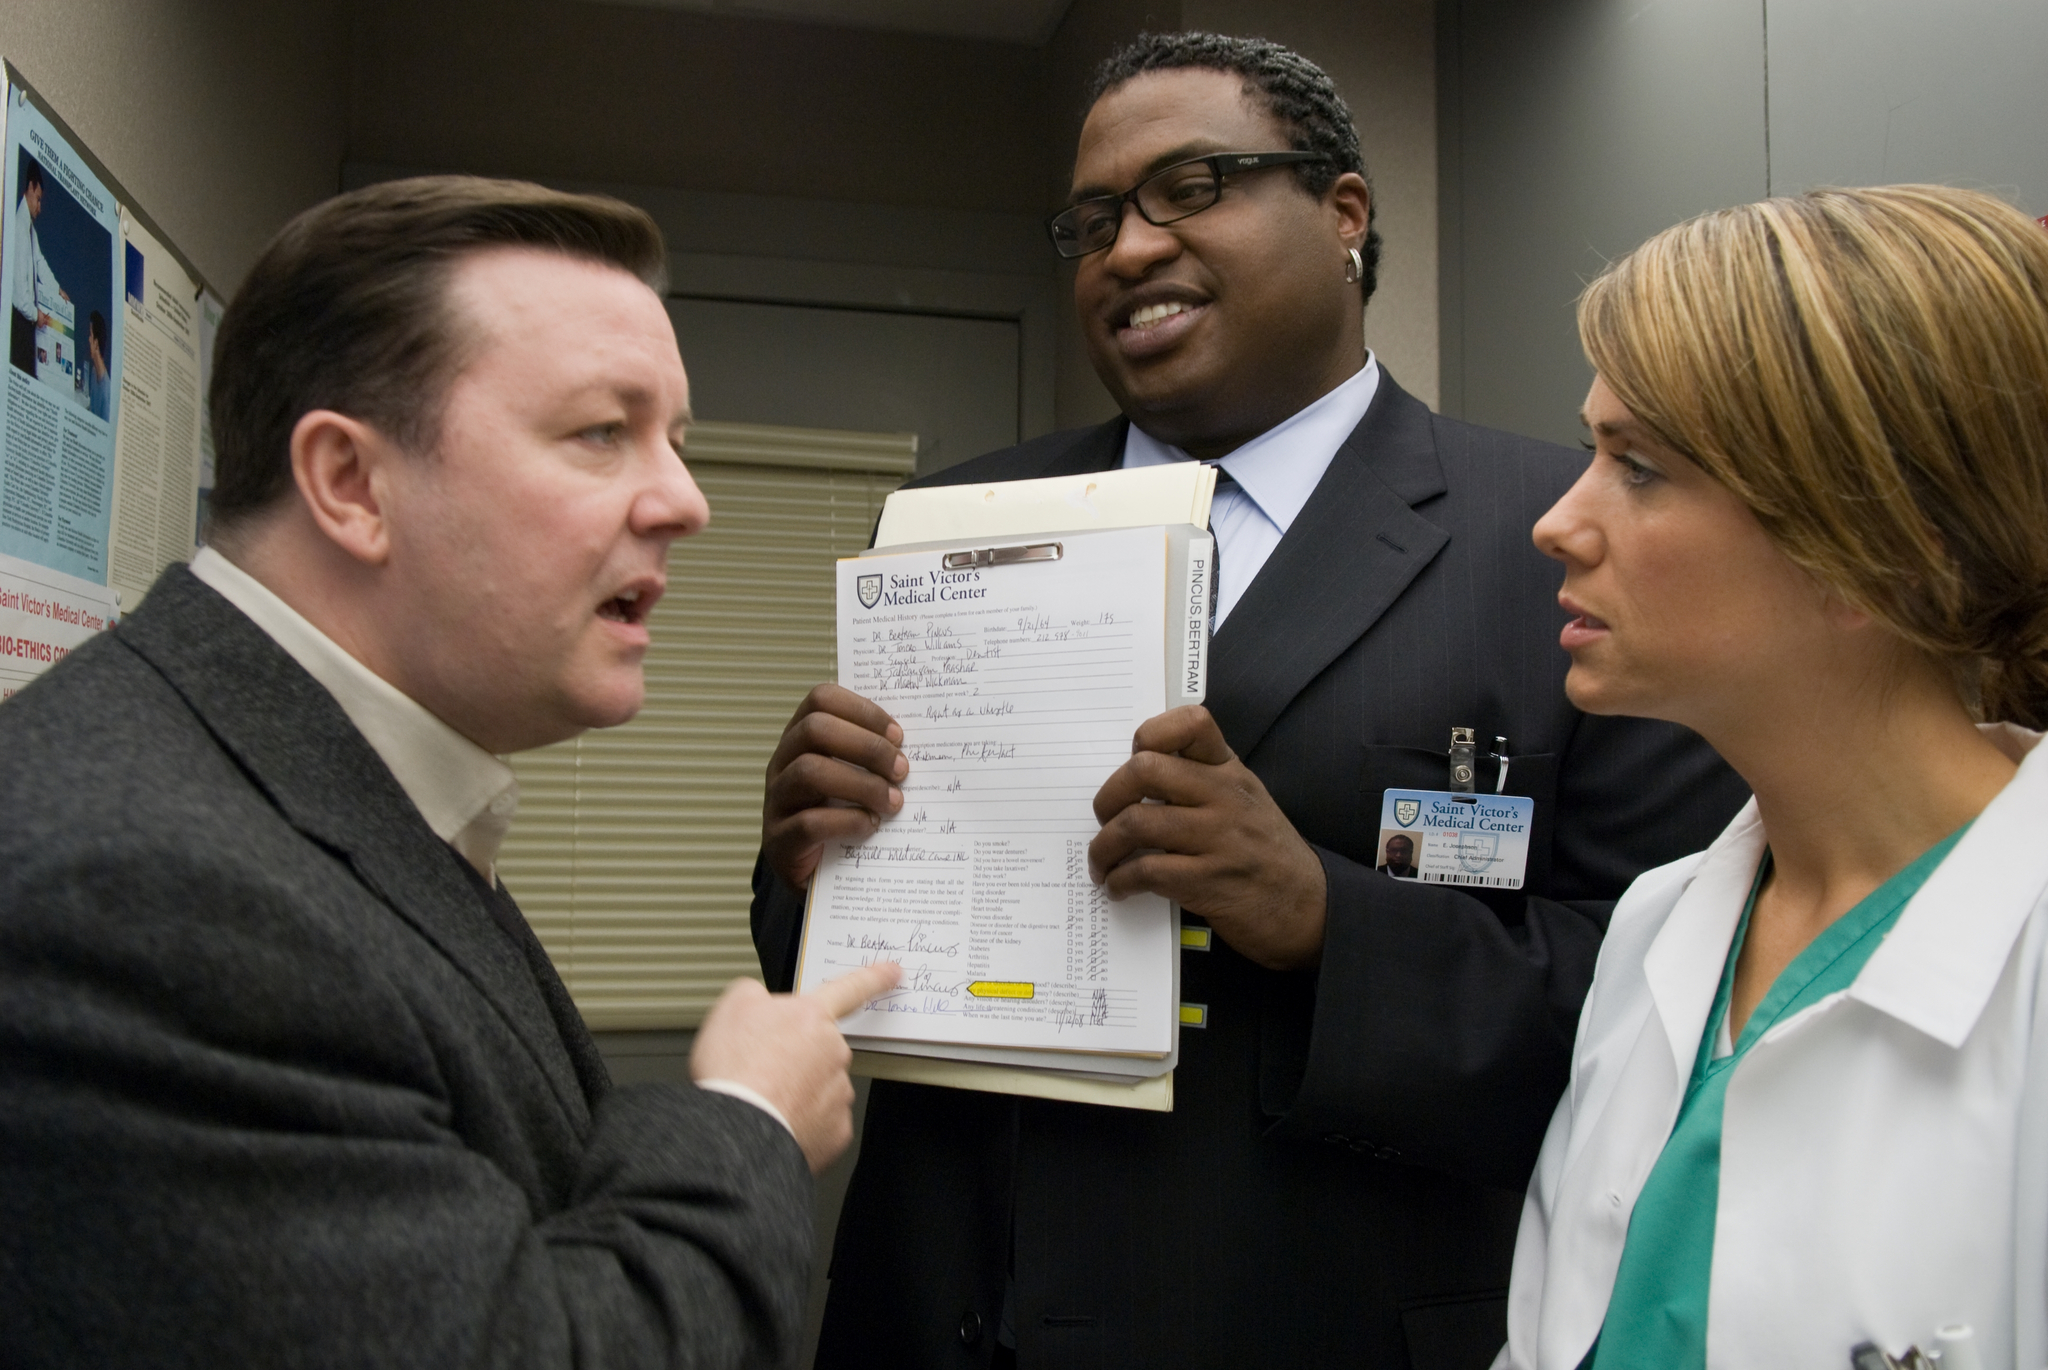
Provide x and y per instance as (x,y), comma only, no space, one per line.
(1657,1315)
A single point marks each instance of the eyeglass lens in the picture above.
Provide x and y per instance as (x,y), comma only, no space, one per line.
(1163,198)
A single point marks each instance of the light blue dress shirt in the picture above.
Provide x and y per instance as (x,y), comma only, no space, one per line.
(1275,472)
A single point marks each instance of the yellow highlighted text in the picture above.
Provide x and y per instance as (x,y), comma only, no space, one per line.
(1001,989)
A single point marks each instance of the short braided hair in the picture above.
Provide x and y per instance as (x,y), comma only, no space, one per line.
(1293,89)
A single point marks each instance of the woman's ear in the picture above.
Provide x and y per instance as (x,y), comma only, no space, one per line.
(1841,614)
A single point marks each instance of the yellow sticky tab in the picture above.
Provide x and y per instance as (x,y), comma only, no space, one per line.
(1001,989)
(1194,1015)
(1195,939)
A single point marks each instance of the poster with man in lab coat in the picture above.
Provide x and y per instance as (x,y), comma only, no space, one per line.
(58,271)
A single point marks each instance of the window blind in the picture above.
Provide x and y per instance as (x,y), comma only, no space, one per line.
(634,846)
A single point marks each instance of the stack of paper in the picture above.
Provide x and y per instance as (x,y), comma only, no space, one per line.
(1020,633)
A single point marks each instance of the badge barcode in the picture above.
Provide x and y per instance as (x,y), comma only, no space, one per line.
(1437,878)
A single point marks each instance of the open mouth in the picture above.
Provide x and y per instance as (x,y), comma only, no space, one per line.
(629,607)
(1153,313)
(1151,329)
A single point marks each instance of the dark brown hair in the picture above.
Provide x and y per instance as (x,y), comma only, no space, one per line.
(347,310)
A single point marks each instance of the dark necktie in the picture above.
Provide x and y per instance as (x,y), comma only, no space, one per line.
(1224,481)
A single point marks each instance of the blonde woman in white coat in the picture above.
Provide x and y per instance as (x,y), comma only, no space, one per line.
(1809,1099)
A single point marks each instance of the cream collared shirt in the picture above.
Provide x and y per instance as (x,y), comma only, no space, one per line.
(466,795)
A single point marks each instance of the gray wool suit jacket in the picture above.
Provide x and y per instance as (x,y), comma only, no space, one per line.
(278,1089)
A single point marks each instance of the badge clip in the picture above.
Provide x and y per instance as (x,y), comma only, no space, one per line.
(1464,753)
(1463,748)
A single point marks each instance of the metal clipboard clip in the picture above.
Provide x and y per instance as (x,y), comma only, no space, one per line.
(1003,556)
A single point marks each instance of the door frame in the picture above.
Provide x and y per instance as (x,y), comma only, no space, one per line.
(1026,301)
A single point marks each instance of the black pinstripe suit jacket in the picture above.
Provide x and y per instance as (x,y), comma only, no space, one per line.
(1341,1176)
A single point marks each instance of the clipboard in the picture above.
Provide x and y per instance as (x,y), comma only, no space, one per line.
(1018,524)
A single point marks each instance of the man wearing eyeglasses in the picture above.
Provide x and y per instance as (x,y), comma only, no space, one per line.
(1341,1176)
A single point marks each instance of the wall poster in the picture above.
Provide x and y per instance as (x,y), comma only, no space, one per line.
(103,470)
(156,443)
(43,615)
(61,241)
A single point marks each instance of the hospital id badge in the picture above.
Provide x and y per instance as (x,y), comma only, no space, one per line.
(1441,838)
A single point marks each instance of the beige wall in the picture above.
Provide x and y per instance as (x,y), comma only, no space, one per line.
(224,117)
(221,118)
(1576,131)
(599,92)
(550,88)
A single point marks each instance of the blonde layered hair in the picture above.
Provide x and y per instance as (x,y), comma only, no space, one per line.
(1868,371)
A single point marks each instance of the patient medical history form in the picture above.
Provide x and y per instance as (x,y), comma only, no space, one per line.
(1019,669)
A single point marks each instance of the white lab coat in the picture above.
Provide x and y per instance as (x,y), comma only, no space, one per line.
(1884,1153)
(34,282)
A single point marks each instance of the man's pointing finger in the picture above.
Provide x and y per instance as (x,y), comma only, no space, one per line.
(848,992)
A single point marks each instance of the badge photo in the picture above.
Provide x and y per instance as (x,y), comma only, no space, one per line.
(1398,853)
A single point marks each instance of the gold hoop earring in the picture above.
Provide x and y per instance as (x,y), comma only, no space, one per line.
(1354,266)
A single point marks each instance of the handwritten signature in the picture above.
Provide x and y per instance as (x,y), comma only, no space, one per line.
(900,854)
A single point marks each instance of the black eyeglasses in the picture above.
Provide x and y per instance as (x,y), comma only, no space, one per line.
(1164,197)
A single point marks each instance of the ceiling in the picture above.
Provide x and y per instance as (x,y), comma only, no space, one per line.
(1028,22)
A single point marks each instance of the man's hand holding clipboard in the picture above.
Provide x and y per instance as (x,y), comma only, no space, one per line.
(1212,840)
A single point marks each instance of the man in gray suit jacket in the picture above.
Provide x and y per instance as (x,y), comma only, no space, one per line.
(285,1078)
